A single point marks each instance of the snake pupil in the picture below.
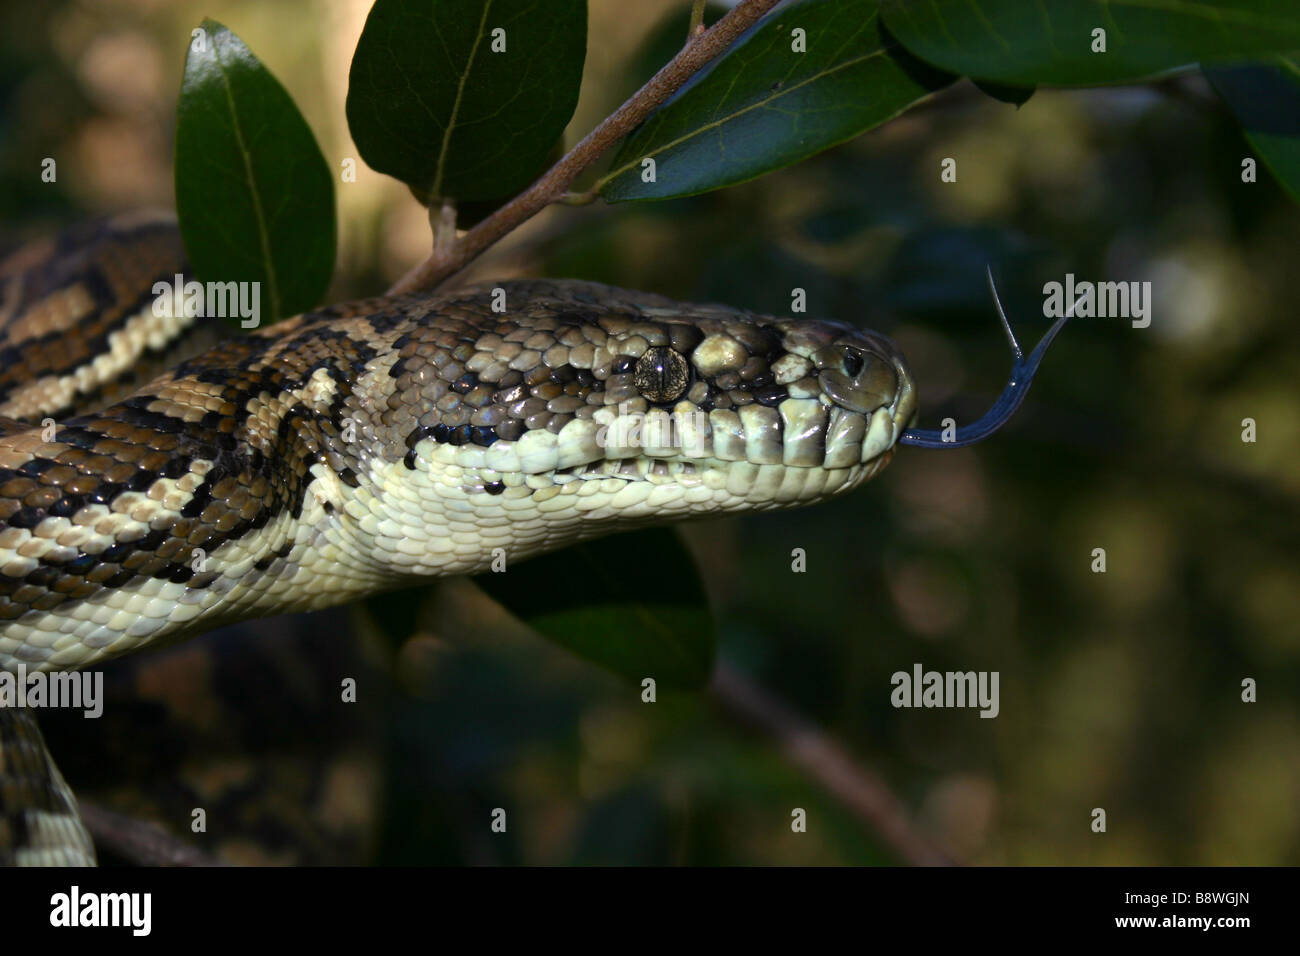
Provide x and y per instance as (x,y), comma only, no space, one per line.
(661,375)
(853,362)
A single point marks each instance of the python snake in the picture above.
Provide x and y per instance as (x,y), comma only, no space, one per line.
(365,446)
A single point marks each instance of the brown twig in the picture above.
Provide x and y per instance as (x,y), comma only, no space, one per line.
(140,842)
(857,788)
(556,181)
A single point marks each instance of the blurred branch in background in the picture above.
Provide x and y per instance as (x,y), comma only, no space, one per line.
(145,843)
(864,793)
(139,841)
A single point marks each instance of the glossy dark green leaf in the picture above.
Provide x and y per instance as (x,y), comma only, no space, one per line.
(1266,101)
(254,195)
(434,100)
(1019,43)
(632,603)
(765,106)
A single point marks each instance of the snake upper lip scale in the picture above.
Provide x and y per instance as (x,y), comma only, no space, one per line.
(359,447)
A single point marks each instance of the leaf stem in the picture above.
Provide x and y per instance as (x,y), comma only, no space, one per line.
(443,220)
(555,182)
(579,199)
(697,19)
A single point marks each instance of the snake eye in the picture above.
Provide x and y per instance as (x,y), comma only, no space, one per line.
(853,362)
(661,375)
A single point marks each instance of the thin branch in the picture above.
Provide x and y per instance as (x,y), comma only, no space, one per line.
(864,793)
(555,183)
(140,842)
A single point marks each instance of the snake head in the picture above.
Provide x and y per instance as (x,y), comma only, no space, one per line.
(582,409)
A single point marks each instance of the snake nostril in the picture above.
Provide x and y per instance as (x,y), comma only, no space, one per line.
(853,362)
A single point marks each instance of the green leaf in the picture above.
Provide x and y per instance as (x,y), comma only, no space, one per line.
(254,196)
(632,603)
(434,101)
(1266,101)
(1019,43)
(765,106)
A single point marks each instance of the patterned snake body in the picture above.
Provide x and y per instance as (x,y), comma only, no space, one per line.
(363,447)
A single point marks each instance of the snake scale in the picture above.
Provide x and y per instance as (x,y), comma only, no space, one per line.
(365,446)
